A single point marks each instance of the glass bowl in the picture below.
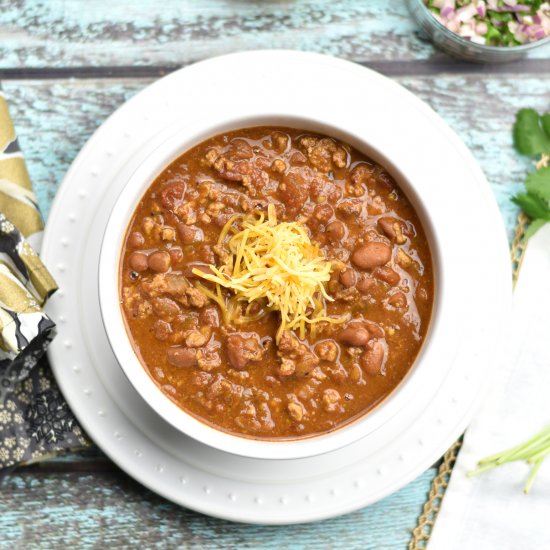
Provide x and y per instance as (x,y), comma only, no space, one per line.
(455,45)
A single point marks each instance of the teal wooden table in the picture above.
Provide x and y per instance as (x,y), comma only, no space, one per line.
(67,64)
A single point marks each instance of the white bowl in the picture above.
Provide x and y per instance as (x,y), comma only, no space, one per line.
(182,139)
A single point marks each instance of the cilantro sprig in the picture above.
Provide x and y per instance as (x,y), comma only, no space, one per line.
(532,138)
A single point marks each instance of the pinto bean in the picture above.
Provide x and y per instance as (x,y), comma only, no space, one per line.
(365,285)
(386,224)
(375,330)
(162,330)
(136,240)
(244,348)
(209,317)
(189,233)
(181,357)
(165,307)
(138,261)
(198,338)
(336,231)
(298,159)
(387,274)
(354,335)
(374,358)
(240,150)
(159,261)
(371,254)
(393,228)
(172,195)
(348,277)
(294,190)
(176,255)
(398,300)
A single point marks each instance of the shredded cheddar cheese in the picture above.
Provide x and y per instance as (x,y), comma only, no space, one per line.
(274,264)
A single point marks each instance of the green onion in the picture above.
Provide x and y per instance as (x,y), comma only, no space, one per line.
(533,451)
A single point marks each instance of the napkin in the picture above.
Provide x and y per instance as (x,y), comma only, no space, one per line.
(34,418)
(490,511)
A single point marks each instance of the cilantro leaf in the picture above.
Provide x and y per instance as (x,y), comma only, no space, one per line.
(531,132)
(545,122)
(534,226)
(538,183)
(535,207)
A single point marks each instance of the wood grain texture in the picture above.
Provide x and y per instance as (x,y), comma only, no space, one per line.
(83,499)
(110,510)
(61,33)
(482,117)
(172,32)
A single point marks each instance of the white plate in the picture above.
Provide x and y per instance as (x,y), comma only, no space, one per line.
(224,485)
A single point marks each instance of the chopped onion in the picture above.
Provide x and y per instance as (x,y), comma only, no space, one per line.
(481,9)
(481,29)
(493,22)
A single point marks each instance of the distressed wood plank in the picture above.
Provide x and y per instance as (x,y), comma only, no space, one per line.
(482,118)
(110,510)
(174,32)
(60,33)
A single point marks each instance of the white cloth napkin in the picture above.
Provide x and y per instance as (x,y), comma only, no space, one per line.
(490,511)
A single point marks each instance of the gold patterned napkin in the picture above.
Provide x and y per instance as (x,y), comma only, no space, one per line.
(34,418)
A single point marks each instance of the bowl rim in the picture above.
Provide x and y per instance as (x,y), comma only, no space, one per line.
(483,47)
(180,138)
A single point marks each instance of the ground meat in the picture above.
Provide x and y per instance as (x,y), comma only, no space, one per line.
(327,350)
(240,149)
(279,141)
(323,153)
(245,172)
(350,208)
(296,410)
(278,166)
(322,188)
(331,399)
(295,355)
(208,359)
(135,304)
(294,190)
(360,177)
